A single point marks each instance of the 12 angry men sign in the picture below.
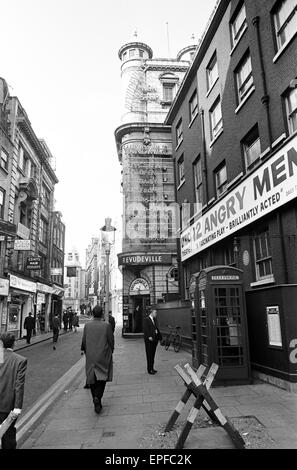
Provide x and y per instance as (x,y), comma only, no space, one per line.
(268,188)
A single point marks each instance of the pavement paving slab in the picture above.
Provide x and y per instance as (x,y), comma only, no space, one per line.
(135,400)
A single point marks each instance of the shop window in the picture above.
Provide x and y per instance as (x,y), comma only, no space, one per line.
(132,53)
(212,72)
(285,21)
(179,133)
(181,170)
(2,201)
(221,179)
(197,169)
(262,255)
(216,120)
(238,25)
(193,106)
(244,78)
(291,109)
(3,159)
(252,147)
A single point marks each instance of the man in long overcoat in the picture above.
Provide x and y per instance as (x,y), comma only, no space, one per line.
(98,345)
(12,381)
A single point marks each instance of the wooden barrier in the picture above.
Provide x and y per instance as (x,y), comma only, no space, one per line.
(200,390)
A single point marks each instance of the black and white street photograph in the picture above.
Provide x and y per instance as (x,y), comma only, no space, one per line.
(148,228)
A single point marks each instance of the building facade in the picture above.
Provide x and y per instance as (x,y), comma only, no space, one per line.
(149,255)
(235,155)
(27,183)
(74,279)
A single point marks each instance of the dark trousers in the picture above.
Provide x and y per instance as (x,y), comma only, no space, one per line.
(150,349)
(98,388)
(8,440)
(55,335)
(29,334)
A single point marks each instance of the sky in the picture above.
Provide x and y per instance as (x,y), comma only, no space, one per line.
(60,58)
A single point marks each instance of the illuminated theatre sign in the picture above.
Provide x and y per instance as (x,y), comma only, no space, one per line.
(270,187)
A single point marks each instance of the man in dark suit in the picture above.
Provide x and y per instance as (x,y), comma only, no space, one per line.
(29,325)
(98,345)
(12,381)
(151,335)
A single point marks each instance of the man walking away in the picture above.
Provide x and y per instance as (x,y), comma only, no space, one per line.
(56,328)
(111,321)
(151,336)
(29,325)
(12,381)
(70,319)
(65,320)
(75,322)
(98,345)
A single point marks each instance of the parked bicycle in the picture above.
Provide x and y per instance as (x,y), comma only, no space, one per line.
(173,337)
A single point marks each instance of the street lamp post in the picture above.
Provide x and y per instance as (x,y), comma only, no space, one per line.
(108,234)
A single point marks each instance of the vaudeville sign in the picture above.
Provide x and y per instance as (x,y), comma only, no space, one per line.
(271,186)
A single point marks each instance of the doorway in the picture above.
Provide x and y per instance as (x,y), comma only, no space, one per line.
(140,311)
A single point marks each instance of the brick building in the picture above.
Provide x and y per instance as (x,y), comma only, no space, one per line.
(234,124)
(148,259)
(27,183)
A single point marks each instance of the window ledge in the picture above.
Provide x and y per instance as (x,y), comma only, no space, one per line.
(238,40)
(178,146)
(212,87)
(279,140)
(266,152)
(216,137)
(210,202)
(237,178)
(263,282)
(194,119)
(245,99)
(181,185)
(283,48)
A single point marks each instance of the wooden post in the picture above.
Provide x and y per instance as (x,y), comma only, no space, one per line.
(5,425)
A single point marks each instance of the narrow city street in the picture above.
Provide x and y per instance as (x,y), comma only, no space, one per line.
(45,366)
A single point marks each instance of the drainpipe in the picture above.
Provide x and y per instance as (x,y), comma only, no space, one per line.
(265,101)
(265,98)
(204,165)
(181,285)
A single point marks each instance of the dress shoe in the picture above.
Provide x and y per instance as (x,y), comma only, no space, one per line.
(151,372)
(87,386)
(54,347)
(155,371)
(97,405)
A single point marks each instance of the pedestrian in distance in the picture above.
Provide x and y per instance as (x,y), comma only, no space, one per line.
(70,319)
(12,381)
(29,325)
(151,336)
(111,321)
(56,329)
(65,320)
(98,345)
(75,322)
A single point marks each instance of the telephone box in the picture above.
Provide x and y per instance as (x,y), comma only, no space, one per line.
(219,324)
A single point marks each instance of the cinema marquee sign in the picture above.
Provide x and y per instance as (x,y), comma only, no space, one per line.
(270,187)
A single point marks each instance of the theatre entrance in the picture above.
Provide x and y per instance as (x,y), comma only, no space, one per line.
(140,311)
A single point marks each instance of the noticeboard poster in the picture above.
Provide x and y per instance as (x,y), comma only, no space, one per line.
(274,327)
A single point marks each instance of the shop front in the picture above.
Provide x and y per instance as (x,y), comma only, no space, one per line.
(57,303)
(21,301)
(43,306)
(4,291)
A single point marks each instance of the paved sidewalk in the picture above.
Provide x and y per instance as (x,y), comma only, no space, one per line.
(136,404)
